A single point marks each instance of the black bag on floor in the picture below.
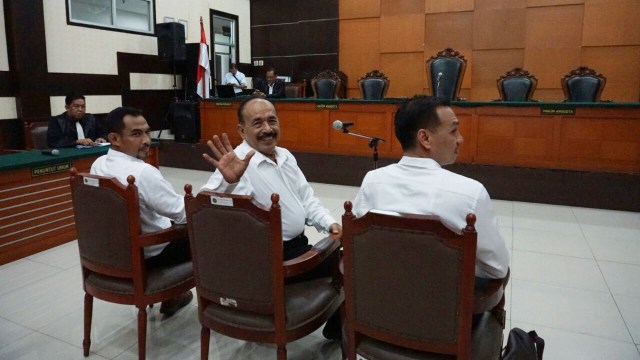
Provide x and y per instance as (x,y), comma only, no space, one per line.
(523,346)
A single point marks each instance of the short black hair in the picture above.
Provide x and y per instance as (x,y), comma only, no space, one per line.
(73,96)
(243,104)
(115,119)
(414,114)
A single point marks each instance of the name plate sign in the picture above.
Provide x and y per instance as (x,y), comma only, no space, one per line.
(223,103)
(327,107)
(557,110)
(50,169)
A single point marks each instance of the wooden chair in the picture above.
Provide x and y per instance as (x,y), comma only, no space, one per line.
(373,85)
(583,84)
(326,85)
(517,84)
(294,90)
(445,71)
(409,285)
(111,246)
(241,277)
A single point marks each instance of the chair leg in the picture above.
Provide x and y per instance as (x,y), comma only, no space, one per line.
(205,337)
(142,332)
(282,352)
(88,314)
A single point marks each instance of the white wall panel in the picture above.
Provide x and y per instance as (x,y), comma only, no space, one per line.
(8,108)
(4,59)
(96,104)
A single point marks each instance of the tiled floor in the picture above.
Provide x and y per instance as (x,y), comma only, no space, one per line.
(574,275)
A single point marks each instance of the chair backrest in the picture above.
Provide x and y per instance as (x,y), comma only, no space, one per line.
(326,85)
(409,281)
(517,84)
(445,71)
(583,85)
(236,250)
(373,85)
(107,221)
(35,135)
(295,90)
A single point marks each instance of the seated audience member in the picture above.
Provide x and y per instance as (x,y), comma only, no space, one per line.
(265,169)
(159,204)
(235,78)
(272,88)
(427,130)
(74,126)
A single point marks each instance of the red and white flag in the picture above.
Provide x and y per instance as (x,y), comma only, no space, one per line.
(204,71)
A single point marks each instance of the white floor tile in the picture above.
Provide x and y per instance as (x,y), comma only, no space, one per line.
(64,256)
(557,270)
(10,332)
(589,312)
(556,226)
(37,346)
(606,217)
(614,231)
(547,242)
(507,233)
(44,301)
(630,309)
(113,328)
(622,278)
(20,273)
(623,249)
(567,345)
(543,212)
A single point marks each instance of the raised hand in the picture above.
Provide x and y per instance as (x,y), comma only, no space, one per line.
(228,163)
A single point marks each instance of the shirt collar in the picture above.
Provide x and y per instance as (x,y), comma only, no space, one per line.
(260,157)
(120,155)
(428,163)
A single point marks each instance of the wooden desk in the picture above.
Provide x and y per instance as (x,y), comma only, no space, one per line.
(602,137)
(36,212)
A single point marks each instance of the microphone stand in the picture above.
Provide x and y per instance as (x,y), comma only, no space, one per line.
(373,144)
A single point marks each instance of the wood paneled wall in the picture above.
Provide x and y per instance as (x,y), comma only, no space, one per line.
(547,37)
(298,38)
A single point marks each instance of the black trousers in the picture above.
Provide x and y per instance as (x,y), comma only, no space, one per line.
(176,252)
(298,246)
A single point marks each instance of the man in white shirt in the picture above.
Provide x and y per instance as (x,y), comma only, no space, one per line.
(128,133)
(265,169)
(427,129)
(235,78)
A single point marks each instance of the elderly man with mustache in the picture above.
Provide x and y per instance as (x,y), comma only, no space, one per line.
(258,167)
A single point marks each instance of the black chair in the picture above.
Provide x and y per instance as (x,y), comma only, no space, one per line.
(583,85)
(517,84)
(445,71)
(326,85)
(373,85)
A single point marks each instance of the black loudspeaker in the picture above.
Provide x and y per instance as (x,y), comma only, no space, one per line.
(185,121)
(171,41)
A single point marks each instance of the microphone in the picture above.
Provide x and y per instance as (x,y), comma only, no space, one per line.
(51,152)
(438,84)
(339,125)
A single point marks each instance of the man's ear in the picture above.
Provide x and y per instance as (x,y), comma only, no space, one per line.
(241,130)
(113,138)
(424,138)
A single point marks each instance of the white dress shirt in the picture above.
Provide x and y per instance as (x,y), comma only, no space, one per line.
(422,186)
(159,203)
(229,80)
(264,177)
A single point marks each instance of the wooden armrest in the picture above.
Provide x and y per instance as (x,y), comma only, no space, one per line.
(176,232)
(490,295)
(307,261)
